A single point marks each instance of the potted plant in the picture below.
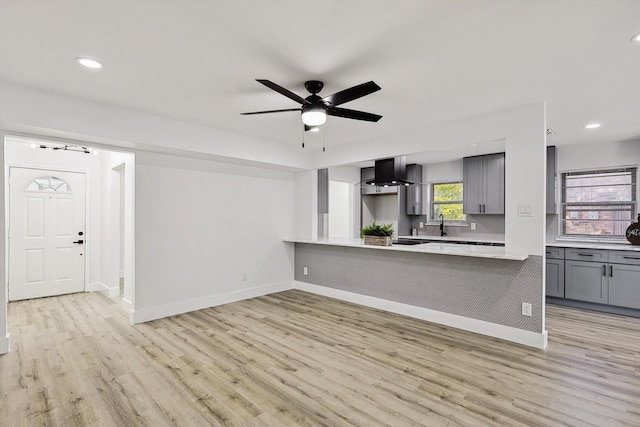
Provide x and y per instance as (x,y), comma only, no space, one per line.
(377,234)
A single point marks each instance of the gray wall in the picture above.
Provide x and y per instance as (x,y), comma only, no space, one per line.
(485,289)
(488,227)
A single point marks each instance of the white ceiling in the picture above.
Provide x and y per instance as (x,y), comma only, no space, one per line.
(436,61)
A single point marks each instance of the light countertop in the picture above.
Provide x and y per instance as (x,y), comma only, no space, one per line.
(496,252)
(451,239)
(590,244)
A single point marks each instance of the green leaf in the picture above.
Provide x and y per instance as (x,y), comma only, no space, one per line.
(377,230)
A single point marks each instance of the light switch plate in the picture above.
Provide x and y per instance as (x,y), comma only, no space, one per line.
(525,209)
(526,309)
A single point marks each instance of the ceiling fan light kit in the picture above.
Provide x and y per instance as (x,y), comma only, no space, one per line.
(313,116)
(316,109)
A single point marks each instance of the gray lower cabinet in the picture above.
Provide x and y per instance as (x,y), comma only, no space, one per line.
(555,278)
(624,285)
(586,281)
(602,276)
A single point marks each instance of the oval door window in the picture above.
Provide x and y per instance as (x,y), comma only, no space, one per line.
(48,184)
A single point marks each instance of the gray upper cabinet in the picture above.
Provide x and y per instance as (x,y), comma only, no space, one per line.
(414,191)
(552,169)
(483,184)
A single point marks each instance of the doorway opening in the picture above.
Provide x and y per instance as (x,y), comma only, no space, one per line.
(91,241)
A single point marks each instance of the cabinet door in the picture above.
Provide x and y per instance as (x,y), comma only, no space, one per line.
(493,184)
(472,185)
(555,278)
(586,281)
(551,179)
(414,191)
(367,174)
(624,285)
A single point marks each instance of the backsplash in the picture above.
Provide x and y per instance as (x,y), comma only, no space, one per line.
(489,227)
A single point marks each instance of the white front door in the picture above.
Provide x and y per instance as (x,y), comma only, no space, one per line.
(46,233)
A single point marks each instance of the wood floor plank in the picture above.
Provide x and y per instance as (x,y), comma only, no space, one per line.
(297,359)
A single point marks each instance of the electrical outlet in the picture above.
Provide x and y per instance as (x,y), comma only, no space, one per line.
(244,276)
(473,225)
(305,271)
(421,224)
(526,309)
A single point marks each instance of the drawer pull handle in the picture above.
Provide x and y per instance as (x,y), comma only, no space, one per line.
(630,257)
(585,254)
(611,271)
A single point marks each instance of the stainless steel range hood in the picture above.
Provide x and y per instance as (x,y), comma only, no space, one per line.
(390,172)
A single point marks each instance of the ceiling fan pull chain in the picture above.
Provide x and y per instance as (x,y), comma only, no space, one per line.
(324,131)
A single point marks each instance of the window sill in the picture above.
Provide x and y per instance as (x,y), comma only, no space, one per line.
(591,239)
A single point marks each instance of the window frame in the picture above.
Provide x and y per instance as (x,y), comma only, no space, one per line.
(632,204)
(435,220)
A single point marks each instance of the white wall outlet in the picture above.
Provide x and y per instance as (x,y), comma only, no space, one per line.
(421,224)
(473,225)
(526,309)
(244,276)
(305,271)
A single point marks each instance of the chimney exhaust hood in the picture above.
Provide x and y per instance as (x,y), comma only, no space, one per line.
(390,172)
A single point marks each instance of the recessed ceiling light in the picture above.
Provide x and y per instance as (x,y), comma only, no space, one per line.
(636,38)
(89,63)
(592,126)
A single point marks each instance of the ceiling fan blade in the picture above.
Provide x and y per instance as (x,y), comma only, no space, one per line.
(270,111)
(282,91)
(353,114)
(352,93)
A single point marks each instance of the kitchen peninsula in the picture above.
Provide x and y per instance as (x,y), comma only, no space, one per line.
(473,287)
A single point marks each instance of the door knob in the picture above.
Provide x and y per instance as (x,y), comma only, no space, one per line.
(80,242)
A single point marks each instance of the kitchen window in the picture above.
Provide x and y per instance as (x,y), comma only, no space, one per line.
(600,203)
(446,199)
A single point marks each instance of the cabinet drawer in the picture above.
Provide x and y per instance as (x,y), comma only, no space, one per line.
(594,255)
(624,257)
(555,253)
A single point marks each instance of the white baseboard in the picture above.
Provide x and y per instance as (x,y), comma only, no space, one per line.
(4,345)
(528,338)
(109,292)
(147,314)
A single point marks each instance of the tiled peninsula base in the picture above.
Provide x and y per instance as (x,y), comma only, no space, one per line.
(479,294)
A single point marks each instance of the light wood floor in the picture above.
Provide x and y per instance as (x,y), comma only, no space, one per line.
(299,359)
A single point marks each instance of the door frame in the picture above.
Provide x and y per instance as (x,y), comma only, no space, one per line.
(130,164)
(87,218)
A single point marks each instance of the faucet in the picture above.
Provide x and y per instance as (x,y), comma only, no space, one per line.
(442,233)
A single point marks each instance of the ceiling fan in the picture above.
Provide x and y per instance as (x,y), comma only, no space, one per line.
(315,109)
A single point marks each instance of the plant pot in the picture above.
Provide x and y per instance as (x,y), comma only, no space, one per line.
(377,240)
